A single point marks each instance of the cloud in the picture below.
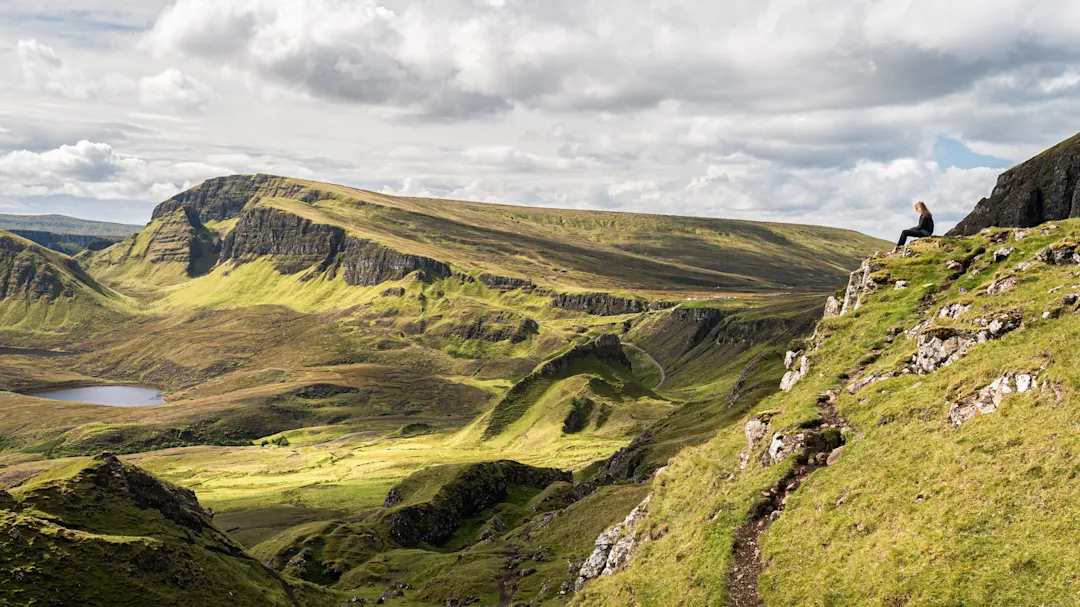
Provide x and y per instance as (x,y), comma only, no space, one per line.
(45,70)
(171,89)
(460,58)
(96,171)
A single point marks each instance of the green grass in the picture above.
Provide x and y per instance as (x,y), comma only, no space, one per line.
(916,511)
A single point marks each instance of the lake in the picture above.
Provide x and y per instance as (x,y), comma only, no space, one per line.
(112,396)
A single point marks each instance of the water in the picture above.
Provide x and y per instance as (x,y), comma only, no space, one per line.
(112,396)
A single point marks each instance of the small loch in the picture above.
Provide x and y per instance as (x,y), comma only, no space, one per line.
(111,396)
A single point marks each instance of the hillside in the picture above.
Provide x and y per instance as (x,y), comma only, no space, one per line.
(62,224)
(574,250)
(921,455)
(1039,190)
(42,290)
(345,375)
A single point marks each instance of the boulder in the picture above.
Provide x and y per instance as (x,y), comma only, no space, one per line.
(833,307)
(941,346)
(1003,253)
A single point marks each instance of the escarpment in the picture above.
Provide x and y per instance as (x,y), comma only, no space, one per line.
(599,304)
(225,197)
(26,274)
(296,244)
(1039,190)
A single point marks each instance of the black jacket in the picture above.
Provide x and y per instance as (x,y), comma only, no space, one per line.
(926,224)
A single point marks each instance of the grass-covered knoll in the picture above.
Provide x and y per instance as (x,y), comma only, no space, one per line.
(100,532)
(916,510)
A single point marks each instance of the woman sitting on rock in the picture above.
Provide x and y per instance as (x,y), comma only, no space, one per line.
(924,229)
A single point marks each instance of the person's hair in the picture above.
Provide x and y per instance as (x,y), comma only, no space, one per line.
(921,208)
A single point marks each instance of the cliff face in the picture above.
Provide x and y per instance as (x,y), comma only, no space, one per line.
(367,263)
(599,304)
(225,197)
(297,244)
(1040,190)
(176,237)
(25,274)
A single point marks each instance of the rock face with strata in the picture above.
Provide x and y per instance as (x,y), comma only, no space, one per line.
(599,304)
(1039,190)
(296,244)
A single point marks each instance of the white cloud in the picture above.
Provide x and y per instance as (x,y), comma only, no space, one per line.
(171,89)
(44,69)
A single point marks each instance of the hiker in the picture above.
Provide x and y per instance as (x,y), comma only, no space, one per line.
(924,229)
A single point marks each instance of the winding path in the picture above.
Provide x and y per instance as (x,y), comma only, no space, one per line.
(663,374)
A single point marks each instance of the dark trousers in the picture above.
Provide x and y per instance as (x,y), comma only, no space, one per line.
(912,233)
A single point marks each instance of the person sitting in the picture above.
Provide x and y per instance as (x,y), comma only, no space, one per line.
(924,229)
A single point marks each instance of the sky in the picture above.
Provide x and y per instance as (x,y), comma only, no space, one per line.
(838,112)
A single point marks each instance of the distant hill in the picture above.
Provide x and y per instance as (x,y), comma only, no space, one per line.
(62,224)
(1039,190)
(301,222)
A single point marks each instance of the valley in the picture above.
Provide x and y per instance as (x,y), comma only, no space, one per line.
(418,401)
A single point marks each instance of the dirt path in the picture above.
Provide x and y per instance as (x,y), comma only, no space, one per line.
(744,574)
(663,374)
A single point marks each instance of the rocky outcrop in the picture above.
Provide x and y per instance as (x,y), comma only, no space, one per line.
(366,263)
(599,304)
(833,307)
(473,489)
(225,197)
(606,348)
(493,327)
(860,284)
(988,399)
(942,346)
(296,244)
(756,431)
(613,547)
(505,283)
(28,275)
(1039,190)
(798,365)
(1060,253)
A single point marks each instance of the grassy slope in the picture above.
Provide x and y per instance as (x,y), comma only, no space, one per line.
(594,249)
(916,511)
(41,321)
